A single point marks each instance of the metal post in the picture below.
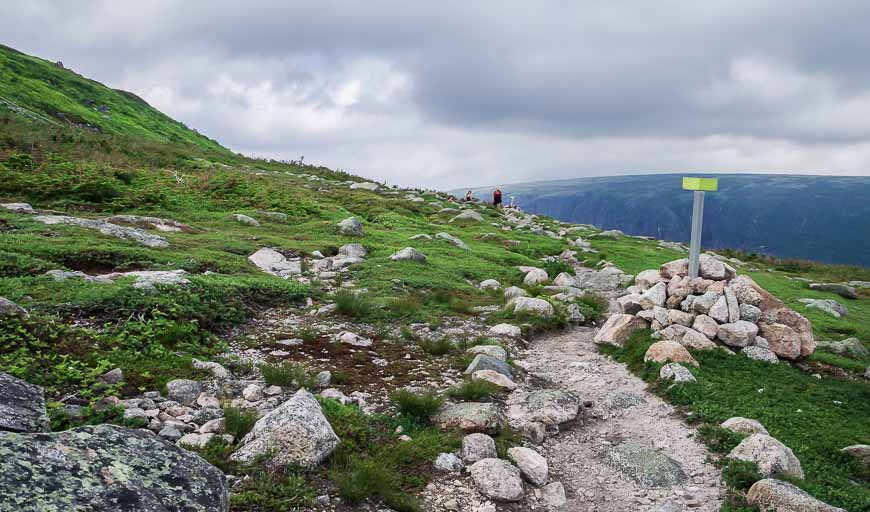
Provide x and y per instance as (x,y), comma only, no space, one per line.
(695,245)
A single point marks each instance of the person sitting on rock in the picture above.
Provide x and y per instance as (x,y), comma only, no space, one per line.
(469,196)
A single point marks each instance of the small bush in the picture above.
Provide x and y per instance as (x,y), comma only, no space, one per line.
(419,407)
(363,478)
(436,348)
(407,333)
(718,439)
(592,306)
(308,335)
(554,268)
(474,389)
(740,474)
(287,375)
(238,422)
(356,305)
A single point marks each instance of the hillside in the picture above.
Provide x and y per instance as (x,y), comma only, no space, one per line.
(48,93)
(810,217)
(186,326)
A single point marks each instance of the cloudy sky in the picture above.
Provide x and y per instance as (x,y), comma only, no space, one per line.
(448,94)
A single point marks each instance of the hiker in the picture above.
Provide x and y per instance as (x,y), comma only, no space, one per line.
(496,198)
(469,196)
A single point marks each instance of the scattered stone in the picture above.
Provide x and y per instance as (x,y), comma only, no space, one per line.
(554,496)
(183,391)
(861,452)
(744,426)
(467,215)
(771,456)
(105,467)
(323,379)
(497,479)
(252,393)
(22,406)
(294,434)
(112,377)
(489,284)
(679,373)
(453,240)
(646,466)
(448,463)
(470,417)
(215,369)
(350,338)
(535,276)
(19,208)
(273,262)
(532,465)
(477,447)
(669,351)
(618,328)
(165,225)
(487,362)
(244,219)
(772,494)
(843,290)
(760,354)
(353,251)
(829,306)
(350,226)
(408,254)
(850,347)
(530,305)
(421,236)
(494,377)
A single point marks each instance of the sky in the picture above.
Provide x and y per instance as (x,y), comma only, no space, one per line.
(452,94)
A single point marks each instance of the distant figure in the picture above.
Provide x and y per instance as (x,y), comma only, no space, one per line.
(512,205)
(469,196)
(496,198)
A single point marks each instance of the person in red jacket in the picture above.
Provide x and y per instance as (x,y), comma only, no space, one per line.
(496,198)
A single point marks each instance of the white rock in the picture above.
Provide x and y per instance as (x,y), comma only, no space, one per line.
(679,373)
(489,284)
(738,334)
(508,330)
(244,219)
(618,328)
(448,463)
(532,465)
(273,262)
(490,350)
(530,305)
(515,291)
(535,276)
(497,479)
(771,456)
(744,426)
(719,311)
(350,338)
(408,254)
(494,377)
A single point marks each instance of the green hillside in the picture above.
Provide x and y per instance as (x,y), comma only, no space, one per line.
(48,93)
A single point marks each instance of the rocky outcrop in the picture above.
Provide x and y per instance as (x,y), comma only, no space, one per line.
(467,216)
(22,406)
(273,262)
(105,467)
(350,226)
(409,254)
(843,290)
(487,362)
(9,308)
(452,240)
(676,372)
(294,434)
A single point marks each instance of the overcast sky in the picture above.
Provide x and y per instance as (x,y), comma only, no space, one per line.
(451,94)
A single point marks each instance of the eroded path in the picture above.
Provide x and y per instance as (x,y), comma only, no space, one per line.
(622,412)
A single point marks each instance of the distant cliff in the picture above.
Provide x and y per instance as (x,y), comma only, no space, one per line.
(822,218)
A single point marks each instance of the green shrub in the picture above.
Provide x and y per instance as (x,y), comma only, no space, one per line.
(352,304)
(436,348)
(592,306)
(419,407)
(474,389)
(238,422)
(554,268)
(718,439)
(740,474)
(287,375)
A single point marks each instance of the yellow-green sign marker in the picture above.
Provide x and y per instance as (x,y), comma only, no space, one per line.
(699,186)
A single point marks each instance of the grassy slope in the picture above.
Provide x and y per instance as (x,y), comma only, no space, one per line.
(61,95)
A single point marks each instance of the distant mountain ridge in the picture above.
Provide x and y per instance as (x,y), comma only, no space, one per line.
(823,218)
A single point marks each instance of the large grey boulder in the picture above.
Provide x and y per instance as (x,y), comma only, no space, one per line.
(273,262)
(244,219)
(371,187)
(490,350)
(551,406)
(22,406)
(107,228)
(478,446)
(535,276)
(646,466)
(408,254)
(183,391)
(452,240)
(772,494)
(487,362)
(497,479)
(9,308)
(771,456)
(532,465)
(711,268)
(296,433)
(105,467)
(850,347)
(468,216)
(470,417)
(350,226)
(843,290)
(18,208)
(531,306)
(352,251)
(515,291)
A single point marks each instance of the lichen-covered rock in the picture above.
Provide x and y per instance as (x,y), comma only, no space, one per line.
(679,373)
(22,406)
(532,465)
(829,306)
(183,391)
(750,313)
(217,370)
(448,463)
(19,208)
(477,447)
(105,467)
(744,426)
(551,406)
(771,456)
(759,353)
(452,240)
(497,479)
(107,228)
(772,494)
(738,334)
(490,350)
(850,347)
(9,308)
(553,496)
(294,434)
(782,339)
(618,328)
(486,362)
(350,226)
(470,417)
(646,466)
(669,351)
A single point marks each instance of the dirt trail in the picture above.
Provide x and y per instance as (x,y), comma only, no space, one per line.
(623,411)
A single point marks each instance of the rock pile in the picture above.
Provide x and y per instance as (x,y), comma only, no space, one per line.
(718,306)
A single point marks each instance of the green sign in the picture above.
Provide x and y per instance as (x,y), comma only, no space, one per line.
(703,184)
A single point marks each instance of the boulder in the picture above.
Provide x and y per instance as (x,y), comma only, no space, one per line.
(678,317)
(738,334)
(497,479)
(108,229)
(655,296)
(829,306)
(733,305)
(18,208)
(760,354)
(553,496)
(183,391)
(489,284)
(408,254)
(477,447)
(685,336)
(782,339)
(452,240)
(535,276)
(532,465)
(350,226)
(850,347)
(748,292)
(719,311)
(105,467)
(551,407)
(351,338)
(646,466)
(702,304)
(470,417)
(618,328)
(9,308)
(772,494)
(515,291)
(448,463)
(861,452)
(669,351)
(675,268)
(843,290)
(531,306)
(706,326)
(486,362)
(160,224)
(244,219)
(490,350)
(22,406)
(353,251)
(750,313)
(217,370)
(676,372)
(564,279)
(273,262)
(467,216)
(648,278)
(744,426)
(630,304)
(711,268)
(801,326)
(772,457)
(294,434)
(371,187)
(494,377)
(509,330)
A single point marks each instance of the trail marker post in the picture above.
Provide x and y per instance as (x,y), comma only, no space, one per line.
(700,186)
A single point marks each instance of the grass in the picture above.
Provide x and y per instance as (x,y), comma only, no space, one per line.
(238,422)
(417,406)
(287,375)
(436,347)
(814,417)
(473,390)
